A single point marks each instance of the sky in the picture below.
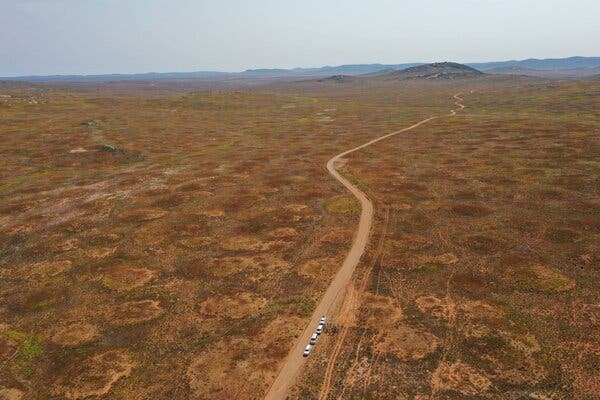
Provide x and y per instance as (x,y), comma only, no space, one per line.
(45,37)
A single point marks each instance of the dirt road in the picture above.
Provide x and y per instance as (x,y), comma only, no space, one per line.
(334,293)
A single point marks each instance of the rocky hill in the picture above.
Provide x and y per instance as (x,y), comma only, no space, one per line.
(442,70)
(337,78)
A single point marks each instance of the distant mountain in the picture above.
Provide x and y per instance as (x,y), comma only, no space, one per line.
(551,64)
(267,71)
(545,64)
(555,73)
(150,76)
(442,70)
(349,69)
(362,69)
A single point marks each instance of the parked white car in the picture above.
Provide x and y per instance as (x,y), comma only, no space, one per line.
(313,338)
(322,320)
(307,350)
(320,329)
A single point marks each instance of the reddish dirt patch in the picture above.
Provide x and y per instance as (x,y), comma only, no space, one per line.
(296,207)
(44,269)
(10,393)
(220,373)
(319,268)
(433,305)
(214,213)
(102,252)
(461,378)
(283,233)
(244,243)
(75,334)
(237,306)
(408,343)
(94,376)
(278,334)
(134,312)
(231,265)
(380,311)
(446,259)
(585,315)
(479,310)
(196,242)
(335,237)
(125,278)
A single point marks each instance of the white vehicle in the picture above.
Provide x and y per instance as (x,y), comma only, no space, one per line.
(307,350)
(322,320)
(313,338)
(320,329)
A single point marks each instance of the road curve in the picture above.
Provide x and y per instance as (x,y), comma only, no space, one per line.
(334,293)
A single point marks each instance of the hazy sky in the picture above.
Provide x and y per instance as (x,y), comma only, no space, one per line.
(106,36)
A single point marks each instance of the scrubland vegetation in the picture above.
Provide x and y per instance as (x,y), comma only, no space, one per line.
(161,243)
(482,277)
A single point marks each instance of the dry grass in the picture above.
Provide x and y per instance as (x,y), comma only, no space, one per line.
(490,257)
(148,237)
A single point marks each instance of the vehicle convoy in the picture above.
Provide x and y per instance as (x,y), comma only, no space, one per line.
(315,336)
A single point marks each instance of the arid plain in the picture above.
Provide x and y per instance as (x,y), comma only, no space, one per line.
(162,242)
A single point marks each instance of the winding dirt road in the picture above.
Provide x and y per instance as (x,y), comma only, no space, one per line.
(334,293)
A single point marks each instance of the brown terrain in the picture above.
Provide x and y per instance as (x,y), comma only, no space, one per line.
(176,241)
(480,279)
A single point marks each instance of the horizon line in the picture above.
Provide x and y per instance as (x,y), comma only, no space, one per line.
(275,68)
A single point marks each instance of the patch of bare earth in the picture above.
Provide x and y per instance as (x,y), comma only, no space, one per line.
(262,266)
(244,243)
(102,252)
(215,213)
(93,376)
(283,233)
(219,373)
(278,334)
(133,312)
(408,343)
(380,311)
(44,269)
(446,259)
(231,265)
(122,277)
(461,378)
(196,242)
(319,268)
(10,394)
(237,306)
(76,334)
(434,306)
